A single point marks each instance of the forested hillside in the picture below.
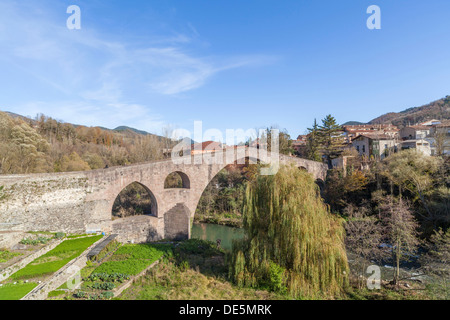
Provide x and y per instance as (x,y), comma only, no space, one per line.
(46,145)
(439,109)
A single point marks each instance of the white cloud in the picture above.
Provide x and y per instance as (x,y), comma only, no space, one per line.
(98,76)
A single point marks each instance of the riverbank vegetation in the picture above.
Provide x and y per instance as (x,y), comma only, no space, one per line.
(293,244)
(197,270)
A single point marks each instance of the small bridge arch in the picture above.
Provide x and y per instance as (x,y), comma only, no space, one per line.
(184,183)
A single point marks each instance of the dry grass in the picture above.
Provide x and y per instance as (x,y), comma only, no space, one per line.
(170,282)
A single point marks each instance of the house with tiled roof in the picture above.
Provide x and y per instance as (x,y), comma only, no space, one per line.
(415,132)
(206,147)
(376,145)
(352,131)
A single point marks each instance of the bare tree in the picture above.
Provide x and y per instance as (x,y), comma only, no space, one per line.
(400,230)
(441,141)
(436,262)
(363,237)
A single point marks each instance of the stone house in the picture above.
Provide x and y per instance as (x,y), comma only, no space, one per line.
(352,131)
(299,145)
(415,132)
(206,147)
(375,145)
(420,145)
(440,131)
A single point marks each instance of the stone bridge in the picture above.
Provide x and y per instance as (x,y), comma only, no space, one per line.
(75,202)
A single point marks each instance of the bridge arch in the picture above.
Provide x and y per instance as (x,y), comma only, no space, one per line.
(177,179)
(212,183)
(137,198)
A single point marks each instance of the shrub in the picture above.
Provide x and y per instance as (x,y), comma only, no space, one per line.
(108,295)
(40,240)
(6,255)
(103,285)
(276,273)
(184,265)
(60,235)
(113,277)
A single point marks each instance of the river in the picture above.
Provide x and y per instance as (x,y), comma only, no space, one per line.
(212,232)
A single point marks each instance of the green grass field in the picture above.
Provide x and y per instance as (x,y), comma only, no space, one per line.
(15,291)
(55,259)
(133,258)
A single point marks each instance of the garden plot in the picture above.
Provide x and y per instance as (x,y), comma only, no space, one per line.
(99,281)
(44,266)
(30,244)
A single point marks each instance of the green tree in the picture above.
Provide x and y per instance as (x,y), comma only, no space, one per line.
(284,140)
(330,137)
(413,171)
(313,143)
(287,224)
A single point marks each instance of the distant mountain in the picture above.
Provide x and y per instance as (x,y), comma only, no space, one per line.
(439,109)
(352,123)
(15,115)
(125,128)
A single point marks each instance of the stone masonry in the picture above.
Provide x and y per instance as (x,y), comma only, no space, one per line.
(82,201)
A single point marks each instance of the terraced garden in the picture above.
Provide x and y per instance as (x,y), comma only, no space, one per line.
(112,267)
(16,291)
(6,255)
(55,259)
(24,280)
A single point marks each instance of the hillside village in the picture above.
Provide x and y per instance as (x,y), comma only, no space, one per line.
(377,141)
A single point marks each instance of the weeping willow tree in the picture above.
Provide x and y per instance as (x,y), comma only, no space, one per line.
(292,244)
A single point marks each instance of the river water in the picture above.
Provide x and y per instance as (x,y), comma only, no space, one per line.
(212,232)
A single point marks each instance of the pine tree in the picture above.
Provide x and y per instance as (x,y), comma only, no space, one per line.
(330,137)
(313,143)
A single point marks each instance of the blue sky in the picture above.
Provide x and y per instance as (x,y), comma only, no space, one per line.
(231,64)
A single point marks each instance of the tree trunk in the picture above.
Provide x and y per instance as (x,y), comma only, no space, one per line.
(397,269)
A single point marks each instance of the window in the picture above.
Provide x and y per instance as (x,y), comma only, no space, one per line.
(364,148)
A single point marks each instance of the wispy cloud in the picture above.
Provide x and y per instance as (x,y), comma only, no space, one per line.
(98,75)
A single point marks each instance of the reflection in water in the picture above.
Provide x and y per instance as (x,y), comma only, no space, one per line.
(212,232)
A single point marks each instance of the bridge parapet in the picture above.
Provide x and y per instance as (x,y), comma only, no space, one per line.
(82,201)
